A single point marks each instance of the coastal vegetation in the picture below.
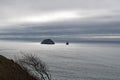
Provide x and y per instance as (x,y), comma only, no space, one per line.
(29,67)
(10,70)
(35,66)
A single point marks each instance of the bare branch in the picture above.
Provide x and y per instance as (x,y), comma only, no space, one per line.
(33,63)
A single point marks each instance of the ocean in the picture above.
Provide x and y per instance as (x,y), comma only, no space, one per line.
(76,61)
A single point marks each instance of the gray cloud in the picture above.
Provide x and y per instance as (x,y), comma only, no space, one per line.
(63,31)
(97,17)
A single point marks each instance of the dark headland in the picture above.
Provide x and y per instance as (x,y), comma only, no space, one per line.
(9,70)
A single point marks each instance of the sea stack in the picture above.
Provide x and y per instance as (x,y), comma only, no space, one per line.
(47,41)
(67,43)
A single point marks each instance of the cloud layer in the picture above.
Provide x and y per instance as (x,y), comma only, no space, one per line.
(60,19)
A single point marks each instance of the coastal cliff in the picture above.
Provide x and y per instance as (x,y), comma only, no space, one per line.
(9,70)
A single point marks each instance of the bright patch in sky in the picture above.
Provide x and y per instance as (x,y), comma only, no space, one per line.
(55,16)
(102,37)
(50,17)
(60,16)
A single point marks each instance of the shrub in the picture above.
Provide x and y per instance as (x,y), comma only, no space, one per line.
(35,66)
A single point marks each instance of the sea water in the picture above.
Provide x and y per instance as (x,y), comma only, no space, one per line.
(77,61)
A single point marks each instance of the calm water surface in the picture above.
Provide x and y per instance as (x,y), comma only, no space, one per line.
(83,61)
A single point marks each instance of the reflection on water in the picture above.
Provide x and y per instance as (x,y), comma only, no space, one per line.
(81,61)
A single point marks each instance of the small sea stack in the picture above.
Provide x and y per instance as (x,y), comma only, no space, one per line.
(67,43)
(48,41)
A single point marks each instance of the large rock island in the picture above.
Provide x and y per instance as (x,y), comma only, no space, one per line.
(47,41)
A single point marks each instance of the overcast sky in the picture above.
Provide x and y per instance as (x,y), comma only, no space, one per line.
(86,16)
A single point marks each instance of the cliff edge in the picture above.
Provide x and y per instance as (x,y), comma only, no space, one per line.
(9,70)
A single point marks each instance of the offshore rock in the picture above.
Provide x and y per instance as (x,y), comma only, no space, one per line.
(47,41)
